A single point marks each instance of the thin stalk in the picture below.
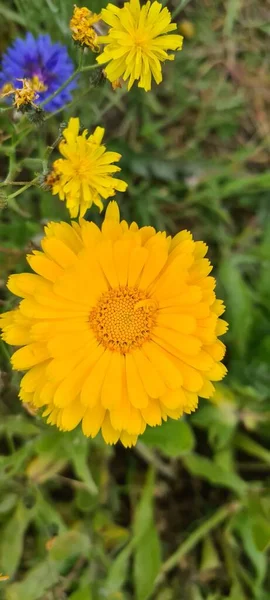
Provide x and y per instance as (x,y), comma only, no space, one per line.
(22,189)
(195,537)
(68,81)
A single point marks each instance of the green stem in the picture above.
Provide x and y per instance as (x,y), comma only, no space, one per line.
(22,189)
(68,81)
(194,538)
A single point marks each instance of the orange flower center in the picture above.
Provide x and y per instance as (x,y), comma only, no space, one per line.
(123,319)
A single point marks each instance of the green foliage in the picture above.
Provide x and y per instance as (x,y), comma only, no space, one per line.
(185,515)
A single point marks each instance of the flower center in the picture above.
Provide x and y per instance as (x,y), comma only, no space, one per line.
(140,39)
(123,319)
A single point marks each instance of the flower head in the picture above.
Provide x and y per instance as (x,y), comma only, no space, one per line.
(118,327)
(24,96)
(84,175)
(81,25)
(41,62)
(137,42)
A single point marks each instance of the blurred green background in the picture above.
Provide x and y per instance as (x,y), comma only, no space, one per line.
(185,514)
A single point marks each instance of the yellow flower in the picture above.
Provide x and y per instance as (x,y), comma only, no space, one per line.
(137,43)
(118,327)
(84,175)
(81,25)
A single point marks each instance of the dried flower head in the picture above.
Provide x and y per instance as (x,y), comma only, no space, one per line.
(81,25)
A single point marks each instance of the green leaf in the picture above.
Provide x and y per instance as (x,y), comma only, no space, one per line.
(210,558)
(70,544)
(147,562)
(261,532)
(8,502)
(11,539)
(200,466)
(117,574)
(239,305)
(83,593)
(174,438)
(37,581)
(77,449)
(18,425)
(147,556)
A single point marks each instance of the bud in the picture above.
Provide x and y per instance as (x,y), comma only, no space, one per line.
(35,115)
(187,29)
(48,179)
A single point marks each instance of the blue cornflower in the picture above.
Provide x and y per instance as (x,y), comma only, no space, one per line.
(43,62)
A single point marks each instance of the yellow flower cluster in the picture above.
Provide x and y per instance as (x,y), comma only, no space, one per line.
(118,326)
(81,25)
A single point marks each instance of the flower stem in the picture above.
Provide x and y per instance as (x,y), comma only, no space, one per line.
(67,82)
(22,189)
(218,517)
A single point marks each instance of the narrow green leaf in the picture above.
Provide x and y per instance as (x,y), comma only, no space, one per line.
(239,304)
(147,555)
(118,571)
(78,455)
(201,466)
(11,539)
(83,593)
(147,562)
(261,532)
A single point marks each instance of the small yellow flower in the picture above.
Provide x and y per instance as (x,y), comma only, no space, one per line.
(118,327)
(84,175)
(81,25)
(137,42)
(4,577)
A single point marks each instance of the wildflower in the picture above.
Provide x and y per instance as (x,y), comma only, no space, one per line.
(81,25)
(137,42)
(118,327)
(44,64)
(84,175)
(4,577)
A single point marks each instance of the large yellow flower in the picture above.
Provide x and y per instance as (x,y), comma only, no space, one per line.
(119,327)
(84,175)
(137,42)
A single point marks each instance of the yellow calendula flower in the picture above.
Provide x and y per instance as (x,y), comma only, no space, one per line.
(85,174)
(137,42)
(119,327)
(81,25)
